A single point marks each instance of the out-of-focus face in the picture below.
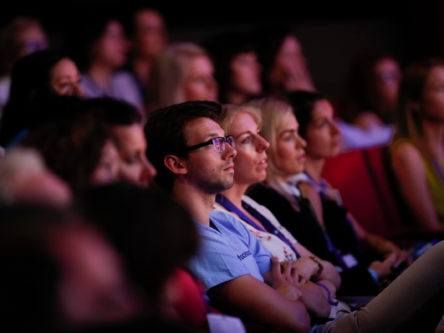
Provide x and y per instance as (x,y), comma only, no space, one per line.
(65,78)
(108,168)
(290,69)
(93,287)
(32,39)
(250,164)
(43,188)
(131,145)
(207,168)
(151,35)
(323,136)
(199,82)
(289,154)
(112,47)
(246,71)
(387,79)
(433,95)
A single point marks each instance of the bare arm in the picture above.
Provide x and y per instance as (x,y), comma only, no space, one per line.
(329,271)
(315,299)
(254,299)
(376,242)
(312,295)
(409,170)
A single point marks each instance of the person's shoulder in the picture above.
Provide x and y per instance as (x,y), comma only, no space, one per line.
(405,151)
(220,216)
(256,205)
(226,220)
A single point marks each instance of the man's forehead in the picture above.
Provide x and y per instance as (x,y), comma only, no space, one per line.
(202,128)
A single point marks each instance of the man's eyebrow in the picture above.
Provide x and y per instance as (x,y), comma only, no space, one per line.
(213,135)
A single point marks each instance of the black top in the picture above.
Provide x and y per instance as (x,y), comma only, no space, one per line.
(331,245)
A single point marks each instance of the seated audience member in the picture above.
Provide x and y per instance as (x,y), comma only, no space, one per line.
(183,72)
(24,178)
(150,38)
(250,163)
(369,110)
(59,275)
(315,115)
(285,65)
(417,153)
(20,37)
(125,128)
(194,160)
(93,141)
(75,145)
(156,239)
(35,78)
(284,198)
(237,68)
(102,51)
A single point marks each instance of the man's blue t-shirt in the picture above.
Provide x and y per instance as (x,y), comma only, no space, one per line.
(228,250)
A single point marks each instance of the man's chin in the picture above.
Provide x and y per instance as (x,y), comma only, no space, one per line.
(221,187)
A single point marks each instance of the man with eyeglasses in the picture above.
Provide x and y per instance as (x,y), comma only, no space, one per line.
(194,160)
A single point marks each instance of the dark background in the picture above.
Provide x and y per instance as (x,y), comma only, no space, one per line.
(331,32)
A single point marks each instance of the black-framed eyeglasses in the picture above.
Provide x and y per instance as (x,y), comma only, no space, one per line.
(219,143)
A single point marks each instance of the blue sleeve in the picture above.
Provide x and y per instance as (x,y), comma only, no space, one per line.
(217,263)
(261,255)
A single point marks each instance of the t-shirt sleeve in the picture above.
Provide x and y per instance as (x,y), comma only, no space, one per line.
(217,263)
(260,254)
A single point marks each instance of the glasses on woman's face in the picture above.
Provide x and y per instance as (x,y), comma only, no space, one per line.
(219,143)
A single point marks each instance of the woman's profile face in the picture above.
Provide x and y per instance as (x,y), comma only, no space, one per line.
(250,163)
(289,69)
(289,150)
(112,46)
(245,74)
(323,136)
(199,82)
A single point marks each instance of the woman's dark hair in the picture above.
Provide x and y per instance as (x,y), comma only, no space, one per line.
(83,37)
(269,42)
(30,86)
(302,103)
(409,115)
(222,49)
(70,140)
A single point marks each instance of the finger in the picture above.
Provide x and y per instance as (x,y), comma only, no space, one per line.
(275,268)
(286,270)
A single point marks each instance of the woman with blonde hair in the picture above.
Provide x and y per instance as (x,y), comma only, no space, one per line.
(183,72)
(285,198)
(408,302)
(250,163)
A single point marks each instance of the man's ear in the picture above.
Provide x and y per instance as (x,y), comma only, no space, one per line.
(175,164)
